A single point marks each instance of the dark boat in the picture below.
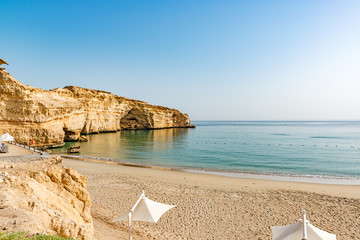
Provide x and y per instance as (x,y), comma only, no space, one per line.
(75,149)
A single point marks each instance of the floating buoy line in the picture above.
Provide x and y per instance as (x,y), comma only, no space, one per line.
(278,144)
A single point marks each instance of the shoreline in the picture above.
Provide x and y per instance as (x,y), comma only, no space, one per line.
(319,179)
(346,190)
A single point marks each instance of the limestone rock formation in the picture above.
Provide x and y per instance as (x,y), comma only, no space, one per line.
(50,117)
(44,198)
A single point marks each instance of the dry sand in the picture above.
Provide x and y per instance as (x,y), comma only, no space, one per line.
(214,207)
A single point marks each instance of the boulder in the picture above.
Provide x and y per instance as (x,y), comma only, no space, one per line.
(41,197)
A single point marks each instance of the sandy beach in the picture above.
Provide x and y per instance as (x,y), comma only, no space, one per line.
(17,151)
(214,207)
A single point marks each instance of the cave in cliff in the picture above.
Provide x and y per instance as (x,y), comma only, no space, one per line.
(136,119)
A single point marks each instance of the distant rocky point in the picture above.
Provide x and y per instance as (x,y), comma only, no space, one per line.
(41,117)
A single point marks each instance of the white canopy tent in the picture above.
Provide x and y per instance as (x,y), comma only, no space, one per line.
(301,230)
(144,210)
(6,138)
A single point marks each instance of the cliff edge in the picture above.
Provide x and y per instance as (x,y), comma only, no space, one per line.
(50,117)
(39,197)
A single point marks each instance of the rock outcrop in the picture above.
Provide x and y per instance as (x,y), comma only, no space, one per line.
(50,117)
(38,196)
(1,63)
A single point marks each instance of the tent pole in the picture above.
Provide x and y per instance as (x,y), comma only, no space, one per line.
(304,226)
(129,217)
(132,210)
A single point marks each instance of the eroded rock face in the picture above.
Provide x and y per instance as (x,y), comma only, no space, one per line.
(45,198)
(50,117)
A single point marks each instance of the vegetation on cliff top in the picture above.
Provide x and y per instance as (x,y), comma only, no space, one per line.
(23,236)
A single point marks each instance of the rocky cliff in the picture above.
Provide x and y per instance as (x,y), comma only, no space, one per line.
(50,117)
(38,196)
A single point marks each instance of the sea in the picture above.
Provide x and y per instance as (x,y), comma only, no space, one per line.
(301,151)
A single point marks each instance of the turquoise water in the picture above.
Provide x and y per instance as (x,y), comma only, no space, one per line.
(279,148)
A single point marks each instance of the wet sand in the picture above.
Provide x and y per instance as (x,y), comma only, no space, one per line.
(214,207)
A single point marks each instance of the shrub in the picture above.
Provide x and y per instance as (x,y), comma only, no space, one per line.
(24,236)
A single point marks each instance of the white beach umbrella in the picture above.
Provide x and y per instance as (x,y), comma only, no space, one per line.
(301,230)
(6,137)
(144,210)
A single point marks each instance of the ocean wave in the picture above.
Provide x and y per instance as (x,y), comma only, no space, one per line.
(325,137)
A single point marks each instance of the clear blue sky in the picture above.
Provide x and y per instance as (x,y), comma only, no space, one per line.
(216,60)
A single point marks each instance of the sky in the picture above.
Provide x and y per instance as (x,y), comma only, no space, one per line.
(215,60)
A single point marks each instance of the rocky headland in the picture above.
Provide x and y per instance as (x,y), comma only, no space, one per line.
(39,197)
(64,114)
